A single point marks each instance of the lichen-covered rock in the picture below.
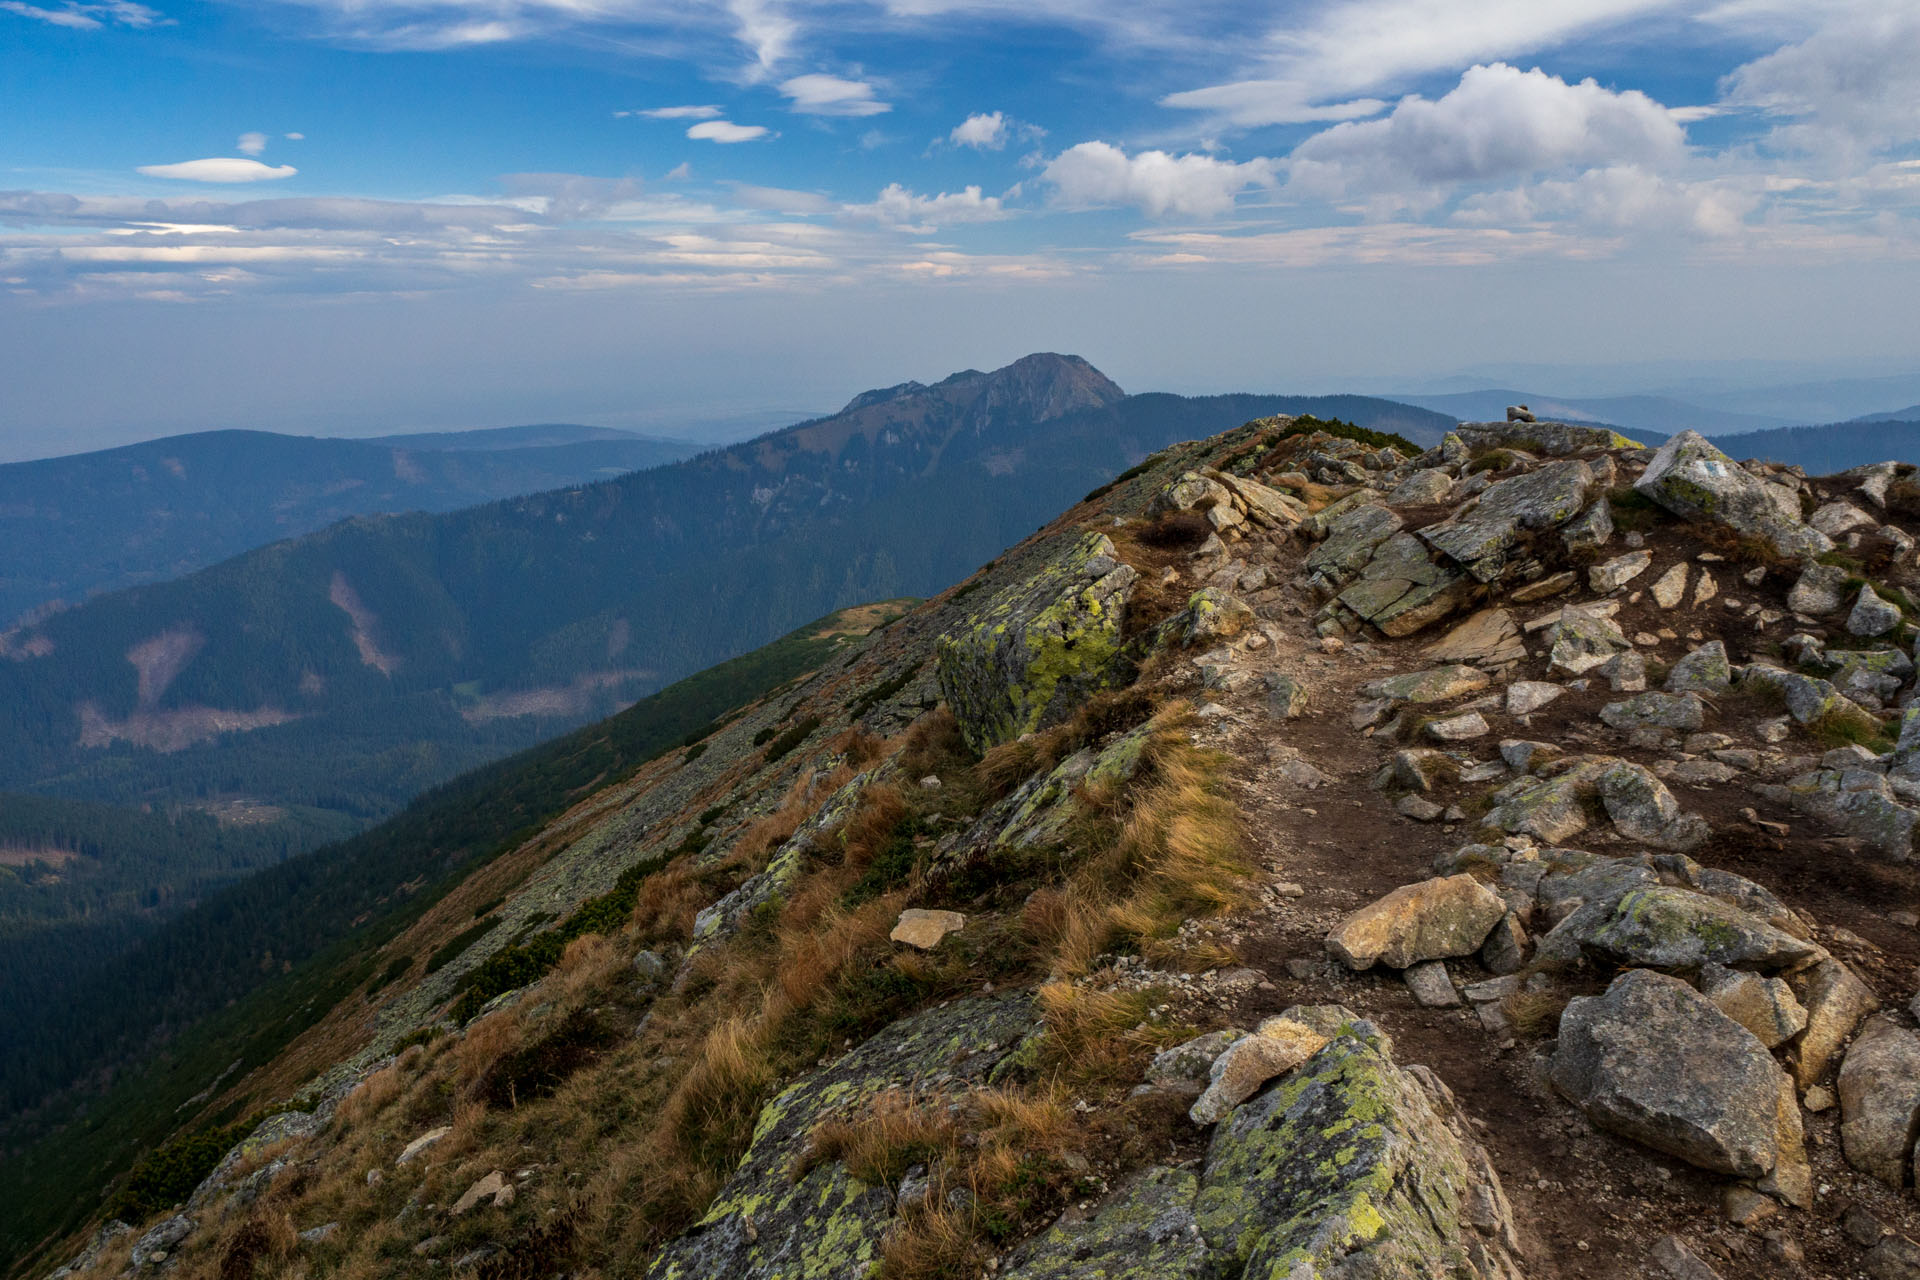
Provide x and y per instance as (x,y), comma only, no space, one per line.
(1655,710)
(1653,1060)
(1591,529)
(160,1240)
(1039,649)
(1810,700)
(1697,482)
(1432,920)
(1550,809)
(1580,640)
(1041,809)
(1764,1006)
(1861,803)
(1428,485)
(1192,1060)
(1354,1168)
(1441,684)
(1480,538)
(1704,670)
(1487,639)
(771,884)
(1265,506)
(1641,807)
(1191,491)
(769,1224)
(1145,1231)
(1211,615)
(1666,928)
(1524,697)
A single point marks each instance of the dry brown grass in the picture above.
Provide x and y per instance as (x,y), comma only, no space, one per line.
(1534,1014)
(893,1132)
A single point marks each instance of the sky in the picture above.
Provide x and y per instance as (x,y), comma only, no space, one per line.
(351,216)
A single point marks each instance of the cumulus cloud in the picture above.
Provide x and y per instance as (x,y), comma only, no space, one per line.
(983,132)
(824,95)
(1621,198)
(896,206)
(675,113)
(1498,122)
(1097,174)
(726,131)
(219,169)
(77,15)
(1850,87)
(252,143)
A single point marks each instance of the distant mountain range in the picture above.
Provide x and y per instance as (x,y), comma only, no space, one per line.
(343,671)
(1909,414)
(75,526)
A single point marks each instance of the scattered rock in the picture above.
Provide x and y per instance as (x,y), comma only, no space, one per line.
(1654,1061)
(1286,699)
(1611,575)
(1704,670)
(1835,1001)
(1819,590)
(1419,808)
(1682,711)
(1871,615)
(421,1143)
(1524,697)
(1441,684)
(1545,588)
(1458,728)
(1479,539)
(1488,638)
(1764,1006)
(1431,985)
(1660,927)
(1432,920)
(926,929)
(1192,1060)
(1680,1262)
(1670,588)
(493,1189)
(1580,639)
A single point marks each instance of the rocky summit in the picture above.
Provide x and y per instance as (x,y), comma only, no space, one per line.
(1310,856)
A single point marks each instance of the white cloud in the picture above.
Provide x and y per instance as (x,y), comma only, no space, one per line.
(219,169)
(726,131)
(781,199)
(252,143)
(1621,198)
(680,172)
(1853,86)
(1095,174)
(77,15)
(1314,70)
(1498,122)
(294,137)
(676,113)
(898,207)
(823,95)
(764,27)
(983,132)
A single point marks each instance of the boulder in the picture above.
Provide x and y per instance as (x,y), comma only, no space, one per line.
(494,1189)
(1879,1088)
(1354,1168)
(1764,1006)
(1837,519)
(1480,538)
(1591,529)
(1808,699)
(1041,809)
(1549,439)
(769,1224)
(1286,699)
(1280,1045)
(1611,575)
(1430,984)
(1694,480)
(1350,543)
(1654,1061)
(1835,1001)
(1212,615)
(1144,1231)
(1704,670)
(1458,728)
(1192,491)
(1037,650)
(160,1240)
(1872,616)
(1432,920)
(1819,590)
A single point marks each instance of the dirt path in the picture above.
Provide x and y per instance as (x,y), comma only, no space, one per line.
(1589,1205)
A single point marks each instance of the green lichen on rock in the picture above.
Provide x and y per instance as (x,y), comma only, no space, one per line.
(1038,649)
(1040,813)
(1145,1232)
(768,1224)
(1353,1166)
(1667,928)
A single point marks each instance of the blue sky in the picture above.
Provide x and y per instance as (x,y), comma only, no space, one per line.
(351,215)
